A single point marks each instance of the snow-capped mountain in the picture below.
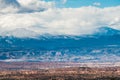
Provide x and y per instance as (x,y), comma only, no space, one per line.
(106,31)
(101,45)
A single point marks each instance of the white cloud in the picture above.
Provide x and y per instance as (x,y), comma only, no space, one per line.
(35,5)
(64,1)
(65,21)
(96,4)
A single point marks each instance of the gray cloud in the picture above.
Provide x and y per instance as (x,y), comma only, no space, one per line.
(20,6)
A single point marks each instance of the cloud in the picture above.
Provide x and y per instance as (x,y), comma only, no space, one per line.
(64,1)
(96,4)
(15,6)
(55,21)
(35,5)
(8,6)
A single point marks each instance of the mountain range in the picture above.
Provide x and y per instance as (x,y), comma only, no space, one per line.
(99,46)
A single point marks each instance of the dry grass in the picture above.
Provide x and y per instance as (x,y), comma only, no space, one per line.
(75,73)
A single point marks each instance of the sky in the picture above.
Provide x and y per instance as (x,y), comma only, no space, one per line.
(32,18)
(80,3)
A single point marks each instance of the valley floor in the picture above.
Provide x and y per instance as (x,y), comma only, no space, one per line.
(62,71)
